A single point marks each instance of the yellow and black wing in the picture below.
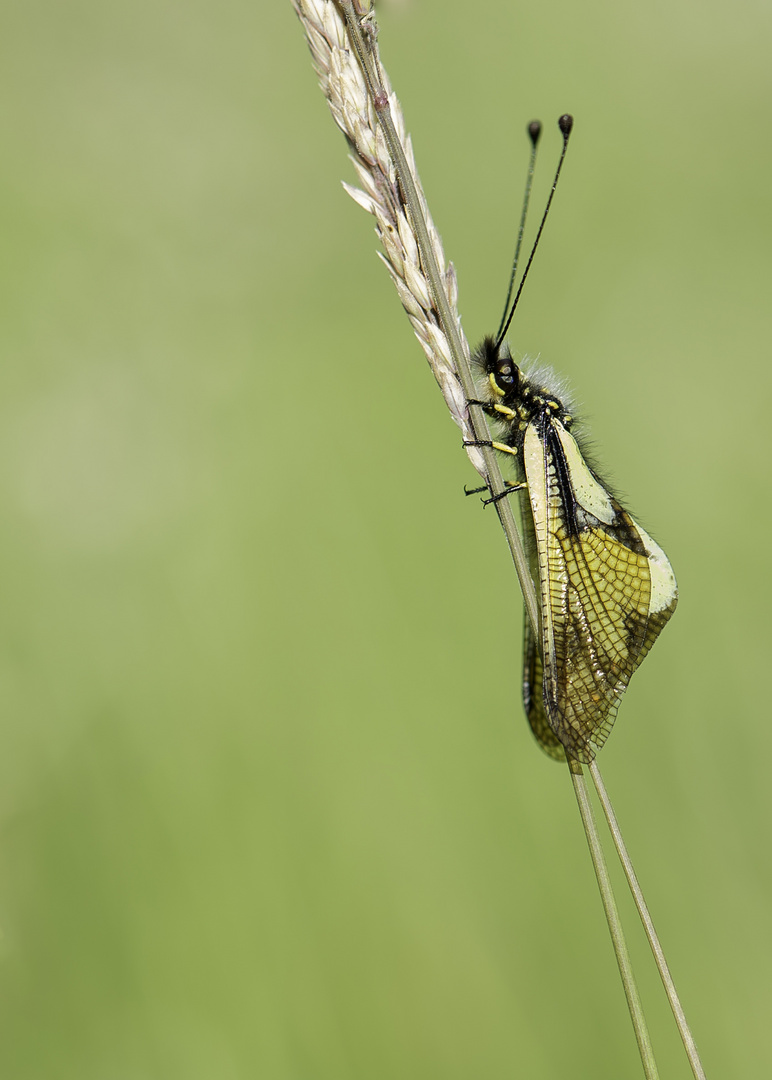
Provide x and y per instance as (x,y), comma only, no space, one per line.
(606,591)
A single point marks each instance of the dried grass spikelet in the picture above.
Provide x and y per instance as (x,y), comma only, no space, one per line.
(344,86)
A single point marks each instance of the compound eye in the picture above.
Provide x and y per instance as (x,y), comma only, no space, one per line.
(506,373)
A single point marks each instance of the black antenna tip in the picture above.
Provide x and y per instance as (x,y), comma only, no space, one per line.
(565,123)
(534,131)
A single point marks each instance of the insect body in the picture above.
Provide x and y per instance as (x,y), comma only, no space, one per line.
(605,588)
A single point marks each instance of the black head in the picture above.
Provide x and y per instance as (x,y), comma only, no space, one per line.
(513,396)
(502,371)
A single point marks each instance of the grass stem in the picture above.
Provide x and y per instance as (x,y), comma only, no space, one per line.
(614,922)
(667,979)
(364,46)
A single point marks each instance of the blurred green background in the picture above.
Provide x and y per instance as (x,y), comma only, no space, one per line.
(269,804)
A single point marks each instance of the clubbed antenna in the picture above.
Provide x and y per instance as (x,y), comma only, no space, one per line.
(534,131)
(565,123)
